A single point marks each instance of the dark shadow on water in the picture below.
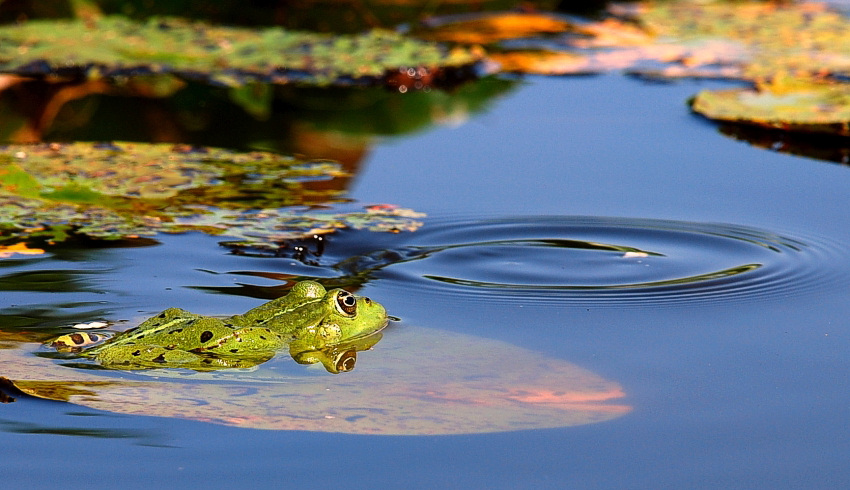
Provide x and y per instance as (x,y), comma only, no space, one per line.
(824,147)
(337,123)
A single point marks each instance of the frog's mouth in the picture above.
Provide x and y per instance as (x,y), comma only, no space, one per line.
(363,341)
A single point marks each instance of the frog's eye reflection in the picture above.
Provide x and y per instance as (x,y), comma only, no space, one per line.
(347,303)
(347,361)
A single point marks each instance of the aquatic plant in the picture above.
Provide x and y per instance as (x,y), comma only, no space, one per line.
(114,46)
(124,190)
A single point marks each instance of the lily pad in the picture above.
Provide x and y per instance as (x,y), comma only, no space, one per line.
(20,248)
(416,381)
(487,28)
(115,46)
(747,40)
(123,190)
(802,38)
(823,108)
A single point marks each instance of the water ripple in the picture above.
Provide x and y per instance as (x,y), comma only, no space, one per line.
(591,261)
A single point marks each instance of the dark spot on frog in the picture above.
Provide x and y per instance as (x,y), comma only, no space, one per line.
(176,330)
(161,315)
(190,322)
(77,338)
(262,337)
(234,350)
(206,361)
(137,353)
(159,359)
(206,335)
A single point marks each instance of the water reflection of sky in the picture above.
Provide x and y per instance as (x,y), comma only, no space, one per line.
(603,146)
(747,396)
(724,395)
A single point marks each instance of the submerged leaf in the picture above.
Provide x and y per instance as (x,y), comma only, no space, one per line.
(416,381)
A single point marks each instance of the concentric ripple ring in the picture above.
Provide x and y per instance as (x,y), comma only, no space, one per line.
(593,261)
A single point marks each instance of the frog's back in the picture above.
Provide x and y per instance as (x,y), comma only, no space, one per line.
(304,293)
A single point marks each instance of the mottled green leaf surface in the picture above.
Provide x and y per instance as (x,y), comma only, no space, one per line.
(122,190)
(800,38)
(823,108)
(228,55)
(416,381)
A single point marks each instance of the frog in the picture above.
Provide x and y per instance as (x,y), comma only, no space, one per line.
(316,324)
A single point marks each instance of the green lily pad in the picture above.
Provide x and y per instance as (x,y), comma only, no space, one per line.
(115,46)
(822,108)
(124,190)
(416,381)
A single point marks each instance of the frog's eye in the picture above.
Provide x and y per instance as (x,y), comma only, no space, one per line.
(346,303)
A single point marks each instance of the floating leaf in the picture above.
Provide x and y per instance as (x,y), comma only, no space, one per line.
(540,62)
(491,27)
(123,190)
(805,38)
(113,46)
(823,108)
(415,381)
(7,251)
(746,40)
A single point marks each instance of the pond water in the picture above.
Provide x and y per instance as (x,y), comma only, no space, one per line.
(592,220)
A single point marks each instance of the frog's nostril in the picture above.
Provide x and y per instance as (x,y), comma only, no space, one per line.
(368,301)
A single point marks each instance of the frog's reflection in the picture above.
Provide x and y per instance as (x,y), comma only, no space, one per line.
(339,358)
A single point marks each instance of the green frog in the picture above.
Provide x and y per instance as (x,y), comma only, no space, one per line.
(316,325)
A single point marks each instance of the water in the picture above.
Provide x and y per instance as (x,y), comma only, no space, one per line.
(725,326)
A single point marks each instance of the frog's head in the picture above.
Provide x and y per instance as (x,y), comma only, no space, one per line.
(351,317)
(345,317)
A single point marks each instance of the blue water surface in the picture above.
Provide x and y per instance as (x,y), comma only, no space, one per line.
(749,391)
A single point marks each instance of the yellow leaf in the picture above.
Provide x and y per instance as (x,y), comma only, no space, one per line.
(490,28)
(21,248)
